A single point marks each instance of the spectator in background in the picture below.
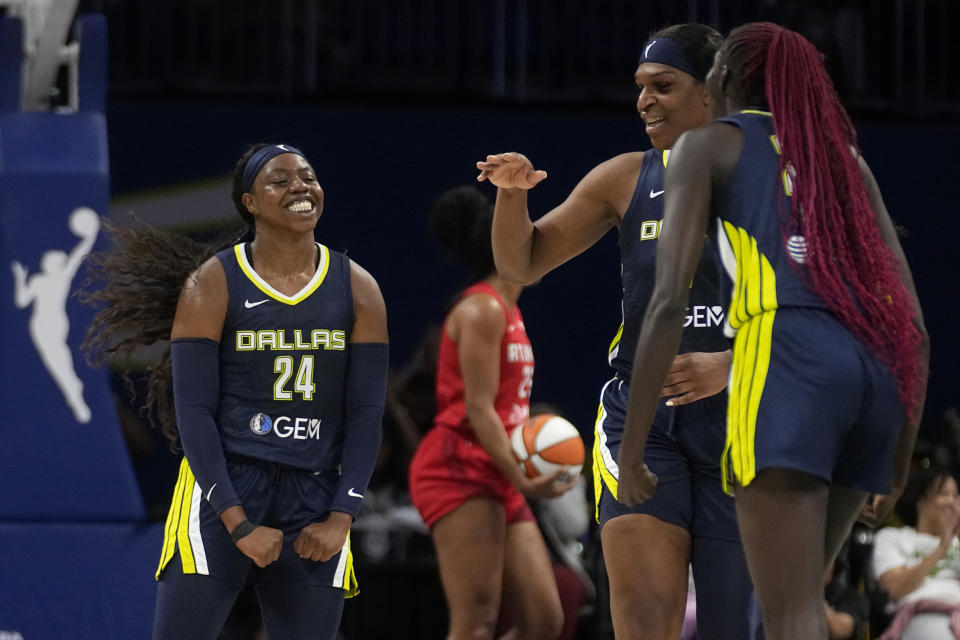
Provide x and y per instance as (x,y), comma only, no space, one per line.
(847,609)
(918,565)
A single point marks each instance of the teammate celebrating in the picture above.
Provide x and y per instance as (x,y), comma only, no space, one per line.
(691,520)
(279,365)
(830,352)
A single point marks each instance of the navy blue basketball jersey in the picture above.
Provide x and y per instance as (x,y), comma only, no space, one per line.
(639,232)
(763,260)
(283,362)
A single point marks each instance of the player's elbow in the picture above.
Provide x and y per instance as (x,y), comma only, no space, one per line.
(514,273)
(667,308)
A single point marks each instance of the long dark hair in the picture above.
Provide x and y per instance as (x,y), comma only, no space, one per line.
(849,265)
(136,284)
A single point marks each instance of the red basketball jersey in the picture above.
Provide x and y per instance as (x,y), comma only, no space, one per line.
(516,373)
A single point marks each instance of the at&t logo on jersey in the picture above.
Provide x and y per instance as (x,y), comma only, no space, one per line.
(797,249)
(286,427)
(704,316)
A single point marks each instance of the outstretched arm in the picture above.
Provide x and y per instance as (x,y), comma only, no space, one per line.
(525,251)
(689,184)
(85,245)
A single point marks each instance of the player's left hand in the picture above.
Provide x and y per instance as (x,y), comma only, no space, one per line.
(696,375)
(636,484)
(321,541)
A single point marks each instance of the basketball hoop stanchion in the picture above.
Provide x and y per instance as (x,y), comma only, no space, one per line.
(74,546)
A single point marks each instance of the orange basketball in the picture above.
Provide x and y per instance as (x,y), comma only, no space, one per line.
(547,443)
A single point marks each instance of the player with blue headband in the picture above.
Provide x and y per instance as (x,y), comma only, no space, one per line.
(278,368)
(648,547)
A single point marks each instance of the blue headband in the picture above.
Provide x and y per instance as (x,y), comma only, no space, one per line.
(260,158)
(667,51)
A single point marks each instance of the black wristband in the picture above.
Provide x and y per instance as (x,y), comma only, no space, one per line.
(242,530)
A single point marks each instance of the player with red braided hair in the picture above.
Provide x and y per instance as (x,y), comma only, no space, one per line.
(830,351)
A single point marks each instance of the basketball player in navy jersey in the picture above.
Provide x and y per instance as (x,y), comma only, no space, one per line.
(648,548)
(279,365)
(830,355)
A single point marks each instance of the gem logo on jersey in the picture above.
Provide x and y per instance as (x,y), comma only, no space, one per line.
(702,316)
(286,427)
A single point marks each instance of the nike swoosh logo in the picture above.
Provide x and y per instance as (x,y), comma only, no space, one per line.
(353,494)
(654,194)
(251,305)
(212,487)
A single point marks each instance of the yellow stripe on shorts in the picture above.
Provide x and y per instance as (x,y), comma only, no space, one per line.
(753,306)
(605,470)
(345,577)
(182,529)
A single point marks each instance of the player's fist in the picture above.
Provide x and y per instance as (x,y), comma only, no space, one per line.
(262,545)
(636,483)
(510,171)
(321,541)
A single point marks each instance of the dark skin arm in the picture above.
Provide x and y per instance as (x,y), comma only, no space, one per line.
(201,311)
(320,541)
(477,326)
(526,251)
(878,507)
(700,163)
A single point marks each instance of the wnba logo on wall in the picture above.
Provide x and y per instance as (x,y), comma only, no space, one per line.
(47,291)
(261,424)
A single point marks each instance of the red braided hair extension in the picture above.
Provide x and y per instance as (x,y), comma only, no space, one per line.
(848,264)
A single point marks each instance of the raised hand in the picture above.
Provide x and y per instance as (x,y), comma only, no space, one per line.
(510,171)
(262,545)
(696,375)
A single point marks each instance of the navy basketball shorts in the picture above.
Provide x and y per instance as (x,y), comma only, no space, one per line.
(808,396)
(683,450)
(196,542)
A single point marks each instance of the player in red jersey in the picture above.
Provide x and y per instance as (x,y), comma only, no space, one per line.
(464,479)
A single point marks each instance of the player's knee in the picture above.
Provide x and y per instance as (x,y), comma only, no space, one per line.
(477,617)
(545,622)
(648,615)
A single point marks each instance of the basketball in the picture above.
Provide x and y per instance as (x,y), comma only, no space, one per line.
(84,222)
(547,443)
